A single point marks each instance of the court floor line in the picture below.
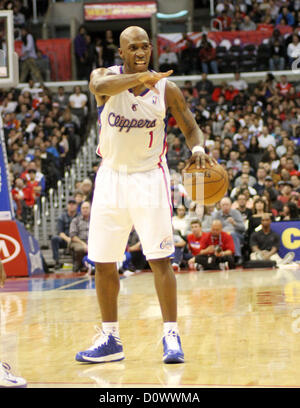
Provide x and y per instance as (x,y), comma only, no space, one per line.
(77,282)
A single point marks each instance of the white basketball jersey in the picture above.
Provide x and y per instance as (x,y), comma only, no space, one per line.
(132,129)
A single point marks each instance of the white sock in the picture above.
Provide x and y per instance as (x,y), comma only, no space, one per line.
(111,327)
(173,326)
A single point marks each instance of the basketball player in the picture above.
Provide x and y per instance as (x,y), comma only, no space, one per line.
(133,188)
(7,380)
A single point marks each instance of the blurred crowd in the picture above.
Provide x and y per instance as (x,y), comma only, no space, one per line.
(246,15)
(253,130)
(43,132)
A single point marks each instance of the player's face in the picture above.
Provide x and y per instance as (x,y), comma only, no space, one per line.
(135,53)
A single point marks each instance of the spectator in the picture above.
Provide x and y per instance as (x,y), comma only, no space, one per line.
(259,186)
(217,249)
(187,57)
(283,85)
(179,244)
(80,49)
(290,167)
(295,180)
(269,187)
(194,237)
(290,212)
(110,49)
(180,221)
(234,162)
(238,83)
(168,60)
(134,253)
(79,235)
(43,63)
(286,192)
(78,101)
(222,21)
(207,56)
(24,198)
(285,17)
(34,184)
(176,153)
(245,184)
(259,208)
(233,223)
(241,206)
(90,54)
(61,98)
(277,60)
(247,24)
(63,239)
(204,87)
(87,189)
(28,58)
(245,169)
(265,244)
(207,217)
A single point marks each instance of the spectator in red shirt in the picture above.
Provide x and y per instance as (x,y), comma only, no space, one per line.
(217,249)
(24,198)
(208,58)
(286,192)
(219,91)
(222,22)
(195,237)
(231,93)
(34,184)
(284,86)
(290,167)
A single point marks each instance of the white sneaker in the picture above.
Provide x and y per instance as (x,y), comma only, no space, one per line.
(7,380)
(288,258)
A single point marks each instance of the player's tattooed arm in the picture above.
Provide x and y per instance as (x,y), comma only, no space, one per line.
(183,116)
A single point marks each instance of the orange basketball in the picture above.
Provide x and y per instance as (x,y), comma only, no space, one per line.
(206,185)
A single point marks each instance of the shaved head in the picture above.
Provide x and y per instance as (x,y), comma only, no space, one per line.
(135,49)
(132,32)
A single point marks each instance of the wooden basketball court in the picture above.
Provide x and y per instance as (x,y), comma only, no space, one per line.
(239,328)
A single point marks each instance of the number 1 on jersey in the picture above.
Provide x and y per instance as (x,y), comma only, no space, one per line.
(151,139)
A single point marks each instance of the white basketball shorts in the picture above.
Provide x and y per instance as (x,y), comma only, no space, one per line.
(121,201)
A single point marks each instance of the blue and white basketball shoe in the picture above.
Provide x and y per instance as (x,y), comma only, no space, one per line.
(173,353)
(7,380)
(106,348)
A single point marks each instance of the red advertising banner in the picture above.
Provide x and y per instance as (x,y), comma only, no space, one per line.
(12,252)
(58,51)
(19,250)
(177,41)
(119,11)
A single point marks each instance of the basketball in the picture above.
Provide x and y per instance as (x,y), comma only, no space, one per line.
(206,185)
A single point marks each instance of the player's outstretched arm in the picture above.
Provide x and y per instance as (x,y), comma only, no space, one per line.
(187,124)
(103,82)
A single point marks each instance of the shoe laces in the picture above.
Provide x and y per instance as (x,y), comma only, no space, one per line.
(99,339)
(172,340)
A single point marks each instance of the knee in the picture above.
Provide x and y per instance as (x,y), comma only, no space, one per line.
(105,268)
(160,265)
